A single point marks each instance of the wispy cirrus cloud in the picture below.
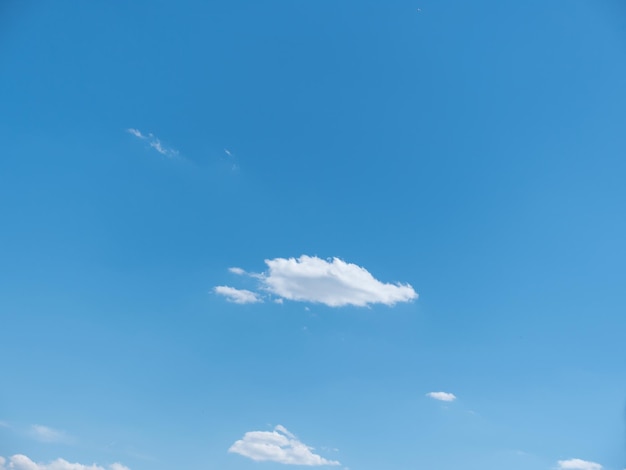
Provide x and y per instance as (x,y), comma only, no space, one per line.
(47,434)
(332,282)
(22,462)
(278,446)
(578,464)
(442,396)
(238,296)
(232,159)
(135,132)
(154,143)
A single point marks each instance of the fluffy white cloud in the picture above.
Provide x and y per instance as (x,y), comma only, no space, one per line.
(442,396)
(332,282)
(238,296)
(578,464)
(47,434)
(154,142)
(22,462)
(277,446)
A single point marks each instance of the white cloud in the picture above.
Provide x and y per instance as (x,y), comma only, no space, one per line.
(238,296)
(277,446)
(46,434)
(154,142)
(22,462)
(136,133)
(578,464)
(237,271)
(332,282)
(442,396)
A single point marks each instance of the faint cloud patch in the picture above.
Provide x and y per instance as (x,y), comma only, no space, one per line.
(154,143)
(231,159)
(442,396)
(237,271)
(47,434)
(278,446)
(22,462)
(118,466)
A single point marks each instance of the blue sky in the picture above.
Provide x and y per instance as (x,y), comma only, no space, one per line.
(348,234)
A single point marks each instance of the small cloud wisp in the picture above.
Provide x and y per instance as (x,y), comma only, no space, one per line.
(238,296)
(47,434)
(442,396)
(154,142)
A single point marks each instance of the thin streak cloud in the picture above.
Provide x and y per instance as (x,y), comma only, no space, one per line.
(48,434)
(154,142)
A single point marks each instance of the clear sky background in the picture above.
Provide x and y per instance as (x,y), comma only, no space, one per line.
(473,153)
